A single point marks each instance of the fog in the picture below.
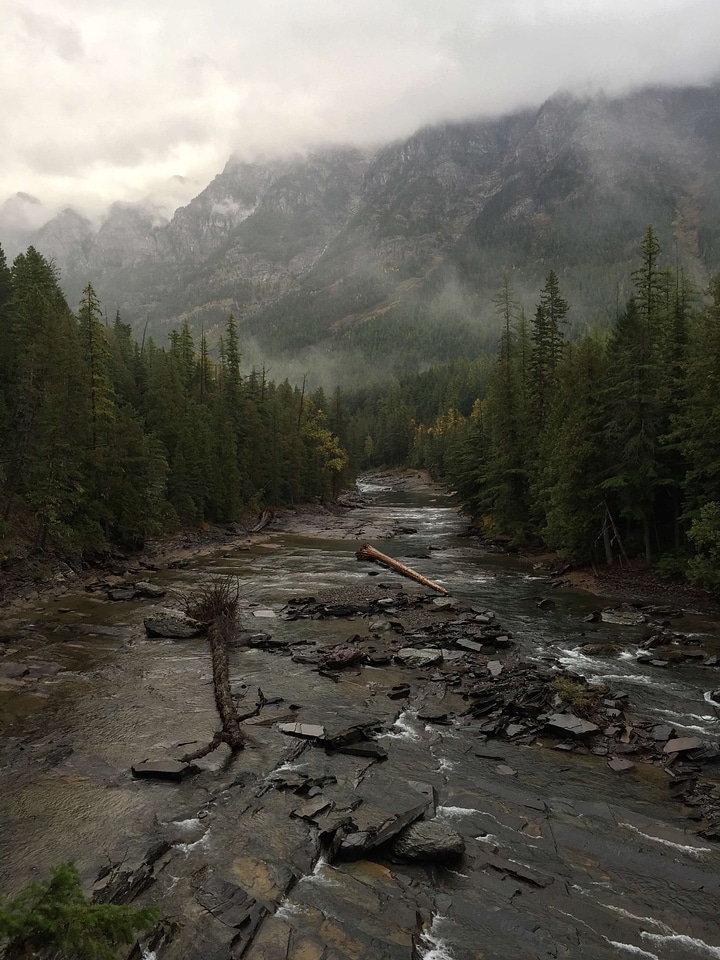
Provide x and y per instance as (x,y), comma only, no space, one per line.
(106,101)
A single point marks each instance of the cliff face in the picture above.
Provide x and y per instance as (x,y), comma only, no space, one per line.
(318,244)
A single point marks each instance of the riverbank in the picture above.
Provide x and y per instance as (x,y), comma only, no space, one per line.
(36,575)
(46,574)
(383,702)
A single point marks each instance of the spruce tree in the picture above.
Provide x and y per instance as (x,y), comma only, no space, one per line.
(548,341)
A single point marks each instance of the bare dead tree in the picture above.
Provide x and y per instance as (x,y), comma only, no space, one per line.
(216,604)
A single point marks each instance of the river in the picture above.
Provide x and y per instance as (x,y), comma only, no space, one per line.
(564,858)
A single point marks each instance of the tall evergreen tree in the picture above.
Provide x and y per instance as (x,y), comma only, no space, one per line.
(548,340)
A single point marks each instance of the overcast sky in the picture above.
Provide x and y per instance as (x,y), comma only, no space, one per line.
(108,100)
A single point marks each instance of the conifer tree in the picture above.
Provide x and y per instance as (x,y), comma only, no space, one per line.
(548,343)
(96,355)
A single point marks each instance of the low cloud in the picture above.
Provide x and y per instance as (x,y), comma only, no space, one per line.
(106,101)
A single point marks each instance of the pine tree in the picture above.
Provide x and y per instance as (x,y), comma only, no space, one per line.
(96,355)
(548,343)
(54,917)
(572,455)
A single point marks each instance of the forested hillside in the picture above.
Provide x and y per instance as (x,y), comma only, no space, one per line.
(604,445)
(107,441)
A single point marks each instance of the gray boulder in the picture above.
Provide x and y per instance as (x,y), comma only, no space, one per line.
(147,589)
(174,625)
(428,840)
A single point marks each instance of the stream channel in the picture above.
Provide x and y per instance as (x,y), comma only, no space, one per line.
(563,857)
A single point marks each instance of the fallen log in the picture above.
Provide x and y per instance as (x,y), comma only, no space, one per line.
(265,517)
(366,552)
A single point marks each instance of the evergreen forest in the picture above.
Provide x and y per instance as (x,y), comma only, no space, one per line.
(602,444)
(108,442)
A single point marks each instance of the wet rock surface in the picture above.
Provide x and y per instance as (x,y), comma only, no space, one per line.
(173,625)
(544,814)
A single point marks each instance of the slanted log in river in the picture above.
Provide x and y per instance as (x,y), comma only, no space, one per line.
(367,552)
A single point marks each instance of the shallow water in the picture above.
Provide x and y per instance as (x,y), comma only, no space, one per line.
(625,874)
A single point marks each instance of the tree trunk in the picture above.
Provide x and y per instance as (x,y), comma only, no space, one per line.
(366,552)
(606,541)
(220,632)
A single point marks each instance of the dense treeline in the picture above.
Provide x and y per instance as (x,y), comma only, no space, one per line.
(604,447)
(104,440)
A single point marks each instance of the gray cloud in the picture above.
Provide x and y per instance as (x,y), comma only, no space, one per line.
(106,101)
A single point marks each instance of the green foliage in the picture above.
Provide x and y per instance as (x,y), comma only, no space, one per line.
(106,441)
(55,915)
(604,447)
(580,696)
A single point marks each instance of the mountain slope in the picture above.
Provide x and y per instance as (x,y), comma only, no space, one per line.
(340,249)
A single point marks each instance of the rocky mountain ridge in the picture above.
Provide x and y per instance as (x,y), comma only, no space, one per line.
(319,248)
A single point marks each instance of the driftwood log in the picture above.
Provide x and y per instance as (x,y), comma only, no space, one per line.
(216,605)
(265,518)
(366,552)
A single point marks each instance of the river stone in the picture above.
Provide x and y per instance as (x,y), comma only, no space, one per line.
(147,589)
(312,731)
(681,744)
(428,840)
(472,645)
(12,670)
(163,770)
(122,593)
(623,618)
(414,657)
(176,626)
(619,765)
(569,723)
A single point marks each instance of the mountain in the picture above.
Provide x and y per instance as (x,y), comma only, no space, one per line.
(342,250)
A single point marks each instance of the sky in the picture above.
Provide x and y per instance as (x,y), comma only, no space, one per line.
(105,100)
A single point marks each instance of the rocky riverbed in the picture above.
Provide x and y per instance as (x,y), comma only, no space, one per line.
(510,772)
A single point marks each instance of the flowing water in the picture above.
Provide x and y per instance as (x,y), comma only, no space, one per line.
(563,859)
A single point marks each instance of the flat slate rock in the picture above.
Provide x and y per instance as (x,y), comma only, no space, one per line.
(416,657)
(472,645)
(163,770)
(569,723)
(619,765)
(681,744)
(368,748)
(311,731)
